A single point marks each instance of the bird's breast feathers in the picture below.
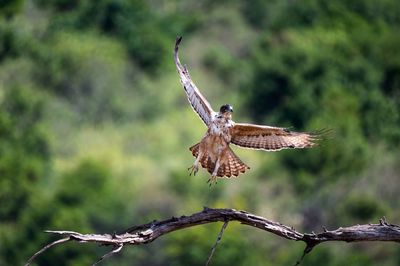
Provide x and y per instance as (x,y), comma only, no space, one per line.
(221,127)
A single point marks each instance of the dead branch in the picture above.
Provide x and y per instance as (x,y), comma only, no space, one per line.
(143,234)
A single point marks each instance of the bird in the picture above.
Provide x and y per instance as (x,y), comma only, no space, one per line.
(213,152)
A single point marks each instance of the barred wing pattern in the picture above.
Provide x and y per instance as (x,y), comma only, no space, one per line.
(271,138)
(197,101)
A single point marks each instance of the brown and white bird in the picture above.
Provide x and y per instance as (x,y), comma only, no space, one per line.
(213,151)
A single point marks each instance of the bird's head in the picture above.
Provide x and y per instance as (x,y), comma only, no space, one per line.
(226,110)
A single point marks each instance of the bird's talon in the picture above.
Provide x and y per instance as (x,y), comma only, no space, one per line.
(193,170)
(212,180)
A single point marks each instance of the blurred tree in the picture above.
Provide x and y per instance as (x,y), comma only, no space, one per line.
(293,14)
(60,5)
(382,110)
(234,248)
(147,35)
(87,191)
(360,208)
(327,256)
(24,163)
(329,73)
(82,69)
(81,195)
(12,39)
(9,8)
(24,151)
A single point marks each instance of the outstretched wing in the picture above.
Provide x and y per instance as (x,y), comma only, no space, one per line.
(198,102)
(271,138)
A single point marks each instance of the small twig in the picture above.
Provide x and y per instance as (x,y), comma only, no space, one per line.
(216,243)
(307,250)
(114,251)
(59,241)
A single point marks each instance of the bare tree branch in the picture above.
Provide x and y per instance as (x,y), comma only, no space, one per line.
(143,234)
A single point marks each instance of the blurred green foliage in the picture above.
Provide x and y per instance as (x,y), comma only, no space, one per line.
(24,150)
(93,135)
(146,34)
(9,8)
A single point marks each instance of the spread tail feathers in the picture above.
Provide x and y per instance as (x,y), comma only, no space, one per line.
(233,166)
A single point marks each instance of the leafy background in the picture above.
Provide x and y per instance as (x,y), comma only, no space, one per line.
(95,127)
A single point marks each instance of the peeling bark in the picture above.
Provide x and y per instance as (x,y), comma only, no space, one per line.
(143,234)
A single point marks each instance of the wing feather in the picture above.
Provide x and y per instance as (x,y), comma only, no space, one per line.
(196,99)
(271,138)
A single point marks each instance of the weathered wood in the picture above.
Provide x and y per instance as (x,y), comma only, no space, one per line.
(142,234)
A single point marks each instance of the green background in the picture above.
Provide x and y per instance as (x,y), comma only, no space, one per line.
(95,126)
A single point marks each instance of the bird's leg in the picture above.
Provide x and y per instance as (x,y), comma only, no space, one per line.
(213,178)
(195,167)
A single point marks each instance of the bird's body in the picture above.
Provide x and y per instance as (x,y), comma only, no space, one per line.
(213,152)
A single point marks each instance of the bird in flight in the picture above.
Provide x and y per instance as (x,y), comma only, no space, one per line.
(213,152)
